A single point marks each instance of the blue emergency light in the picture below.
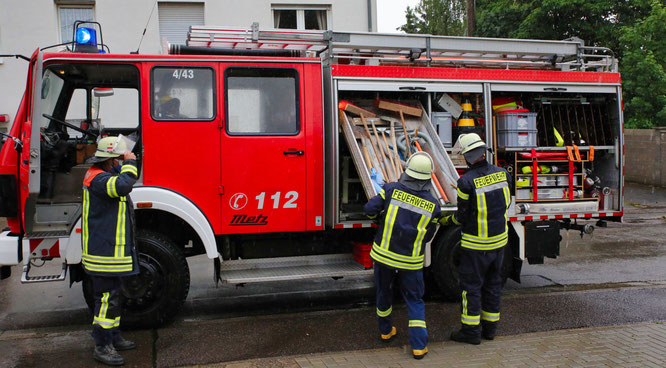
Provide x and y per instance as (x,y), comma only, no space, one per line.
(86,36)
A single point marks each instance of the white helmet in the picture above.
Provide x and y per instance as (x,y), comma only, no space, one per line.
(419,166)
(472,147)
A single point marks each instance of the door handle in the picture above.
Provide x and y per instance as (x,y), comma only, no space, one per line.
(294,152)
(412,88)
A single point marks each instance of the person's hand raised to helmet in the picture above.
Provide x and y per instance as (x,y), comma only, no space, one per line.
(129,156)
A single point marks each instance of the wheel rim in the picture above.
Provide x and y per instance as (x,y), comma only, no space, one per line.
(143,291)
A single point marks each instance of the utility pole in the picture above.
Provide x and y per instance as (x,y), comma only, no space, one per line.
(470,7)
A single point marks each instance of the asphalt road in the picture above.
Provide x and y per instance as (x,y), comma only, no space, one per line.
(617,276)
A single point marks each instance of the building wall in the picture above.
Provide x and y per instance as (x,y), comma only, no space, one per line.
(27,25)
(645,156)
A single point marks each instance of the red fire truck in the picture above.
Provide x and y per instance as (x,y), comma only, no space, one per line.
(245,156)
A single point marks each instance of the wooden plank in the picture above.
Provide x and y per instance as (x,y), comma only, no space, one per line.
(399,107)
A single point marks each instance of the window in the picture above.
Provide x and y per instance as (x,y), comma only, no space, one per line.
(262,101)
(117,109)
(183,93)
(68,14)
(300,18)
(176,18)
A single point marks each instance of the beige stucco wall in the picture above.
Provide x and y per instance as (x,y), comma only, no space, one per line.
(28,24)
(645,155)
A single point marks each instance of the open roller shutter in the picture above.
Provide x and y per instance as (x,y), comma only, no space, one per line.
(176,19)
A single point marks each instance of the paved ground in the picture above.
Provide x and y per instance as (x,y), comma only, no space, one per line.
(638,345)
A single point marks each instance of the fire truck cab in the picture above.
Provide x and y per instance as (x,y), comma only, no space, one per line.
(244,155)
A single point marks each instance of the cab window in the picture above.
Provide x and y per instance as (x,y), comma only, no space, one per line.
(262,101)
(183,93)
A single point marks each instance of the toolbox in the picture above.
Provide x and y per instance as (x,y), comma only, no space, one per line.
(516,121)
(516,138)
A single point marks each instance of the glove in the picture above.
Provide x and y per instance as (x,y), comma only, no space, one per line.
(446,220)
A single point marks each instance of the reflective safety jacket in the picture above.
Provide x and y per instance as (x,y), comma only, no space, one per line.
(406,223)
(483,200)
(107,235)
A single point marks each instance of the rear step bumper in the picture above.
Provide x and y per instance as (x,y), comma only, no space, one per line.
(9,249)
(290,268)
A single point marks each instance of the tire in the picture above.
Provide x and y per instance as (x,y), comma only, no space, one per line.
(156,294)
(446,259)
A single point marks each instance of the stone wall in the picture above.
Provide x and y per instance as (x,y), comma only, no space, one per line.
(646,156)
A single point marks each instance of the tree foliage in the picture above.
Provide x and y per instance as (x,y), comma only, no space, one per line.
(438,17)
(644,70)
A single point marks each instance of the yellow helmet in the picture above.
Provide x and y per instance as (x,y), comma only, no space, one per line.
(109,147)
(470,141)
(419,166)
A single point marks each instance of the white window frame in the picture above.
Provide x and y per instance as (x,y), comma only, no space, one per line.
(72,6)
(300,14)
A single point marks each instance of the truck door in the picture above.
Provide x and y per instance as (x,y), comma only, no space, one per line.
(263,156)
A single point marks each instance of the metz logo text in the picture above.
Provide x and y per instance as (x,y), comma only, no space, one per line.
(245,220)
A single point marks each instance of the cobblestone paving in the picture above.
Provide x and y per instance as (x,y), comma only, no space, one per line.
(638,345)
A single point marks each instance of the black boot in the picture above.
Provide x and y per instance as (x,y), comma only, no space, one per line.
(461,336)
(121,344)
(108,355)
(488,330)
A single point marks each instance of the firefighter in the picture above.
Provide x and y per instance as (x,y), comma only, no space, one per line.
(406,213)
(483,200)
(108,241)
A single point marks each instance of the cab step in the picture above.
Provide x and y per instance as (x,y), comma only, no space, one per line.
(290,268)
(26,278)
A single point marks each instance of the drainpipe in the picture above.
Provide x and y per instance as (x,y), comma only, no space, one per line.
(369,15)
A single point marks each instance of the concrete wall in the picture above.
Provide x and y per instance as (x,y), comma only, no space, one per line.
(26,25)
(646,156)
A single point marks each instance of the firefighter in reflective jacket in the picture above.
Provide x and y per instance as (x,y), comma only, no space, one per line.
(483,200)
(407,215)
(108,241)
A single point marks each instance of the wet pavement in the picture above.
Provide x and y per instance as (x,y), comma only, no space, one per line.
(616,277)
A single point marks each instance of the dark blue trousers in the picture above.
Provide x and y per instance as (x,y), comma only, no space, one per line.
(481,284)
(411,287)
(106,318)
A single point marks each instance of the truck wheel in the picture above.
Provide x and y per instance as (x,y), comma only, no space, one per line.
(446,259)
(445,263)
(155,295)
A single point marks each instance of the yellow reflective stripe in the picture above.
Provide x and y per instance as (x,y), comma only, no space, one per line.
(116,322)
(507,197)
(109,259)
(481,215)
(490,239)
(421,228)
(397,256)
(462,195)
(372,217)
(107,268)
(129,168)
(123,228)
(388,225)
(464,302)
(111,187)
(393,263)
(417,323)
(84,219)
(491,317)
(470,320)
(105,305)
(473,246)
(385,313)
(382,193)
(105,323)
